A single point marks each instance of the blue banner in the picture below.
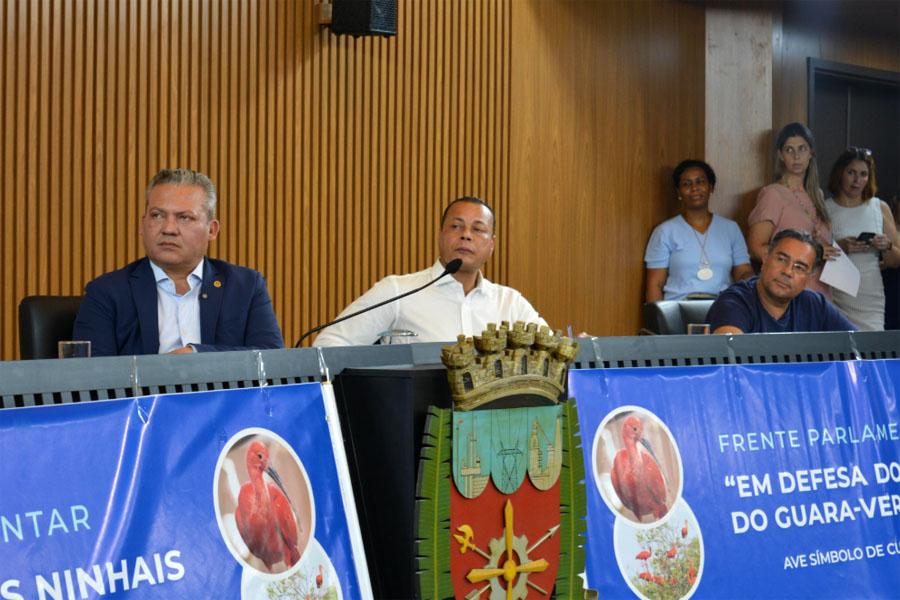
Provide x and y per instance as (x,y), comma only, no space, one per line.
(223,494)
(760,481)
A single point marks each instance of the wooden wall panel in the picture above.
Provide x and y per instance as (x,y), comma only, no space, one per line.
(738,105)
(865,33)
(757,78)
(333,157)
(607,98)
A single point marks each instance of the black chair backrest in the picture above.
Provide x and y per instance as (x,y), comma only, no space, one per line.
(44,321)
(673,316)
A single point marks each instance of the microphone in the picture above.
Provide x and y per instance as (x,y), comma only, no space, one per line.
(452,267)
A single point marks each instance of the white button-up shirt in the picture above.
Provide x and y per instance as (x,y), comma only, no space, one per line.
(437,314)
(178,317)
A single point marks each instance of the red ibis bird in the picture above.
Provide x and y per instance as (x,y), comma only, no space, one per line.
(265,515)
(671,553)
(644,555)
(684,529)
(636,475)
(319,578)
(645,576)
(692,573)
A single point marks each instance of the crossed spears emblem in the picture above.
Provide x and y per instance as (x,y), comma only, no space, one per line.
(509,570)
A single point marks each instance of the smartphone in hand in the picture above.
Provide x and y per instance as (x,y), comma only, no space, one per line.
(865,236)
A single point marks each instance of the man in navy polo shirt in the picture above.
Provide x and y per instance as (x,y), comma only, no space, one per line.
(777,300)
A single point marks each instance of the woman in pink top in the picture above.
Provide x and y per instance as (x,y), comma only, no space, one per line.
(794,201)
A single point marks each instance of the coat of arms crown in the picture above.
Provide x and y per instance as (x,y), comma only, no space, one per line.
(524,359)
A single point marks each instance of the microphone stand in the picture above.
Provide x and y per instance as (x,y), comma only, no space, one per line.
(451,268)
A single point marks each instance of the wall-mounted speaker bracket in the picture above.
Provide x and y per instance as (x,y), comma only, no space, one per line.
(323,13)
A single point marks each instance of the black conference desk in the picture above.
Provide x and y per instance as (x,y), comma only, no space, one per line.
(383,412)
(395,385)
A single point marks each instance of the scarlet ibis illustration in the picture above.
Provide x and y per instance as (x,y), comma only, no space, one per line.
(692,573)
(636,475)
(643,555)
(671,553)
(265,515)
(319,578)
(684,529)
(645,576)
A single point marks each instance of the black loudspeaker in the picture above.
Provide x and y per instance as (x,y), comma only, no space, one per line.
(364,17)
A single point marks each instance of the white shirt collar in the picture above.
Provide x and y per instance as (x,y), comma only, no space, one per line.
(437,268)
(160,275)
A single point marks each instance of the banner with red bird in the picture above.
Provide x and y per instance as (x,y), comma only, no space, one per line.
(742,481)
(224,494)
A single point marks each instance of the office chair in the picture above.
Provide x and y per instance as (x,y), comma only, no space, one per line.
(666,317)
(44,321)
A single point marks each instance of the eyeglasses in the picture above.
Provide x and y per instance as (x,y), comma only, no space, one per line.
(858,151)
(797,268)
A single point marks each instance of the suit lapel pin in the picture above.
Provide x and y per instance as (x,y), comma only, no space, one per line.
(217,283)
(204,296)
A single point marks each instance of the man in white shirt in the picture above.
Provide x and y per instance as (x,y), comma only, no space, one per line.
(462,303)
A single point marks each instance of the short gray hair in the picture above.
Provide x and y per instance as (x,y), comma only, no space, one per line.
(185,177)
(801,236)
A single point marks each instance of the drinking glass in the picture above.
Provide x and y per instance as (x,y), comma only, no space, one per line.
(74,349)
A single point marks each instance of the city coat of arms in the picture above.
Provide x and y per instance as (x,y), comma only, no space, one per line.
(500,488)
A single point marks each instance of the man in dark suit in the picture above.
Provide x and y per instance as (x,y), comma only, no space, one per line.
(175,300)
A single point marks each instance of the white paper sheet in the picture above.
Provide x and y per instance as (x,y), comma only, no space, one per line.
(841,274)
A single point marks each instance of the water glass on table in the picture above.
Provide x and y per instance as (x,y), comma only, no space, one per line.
(396,336)
(74,349)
